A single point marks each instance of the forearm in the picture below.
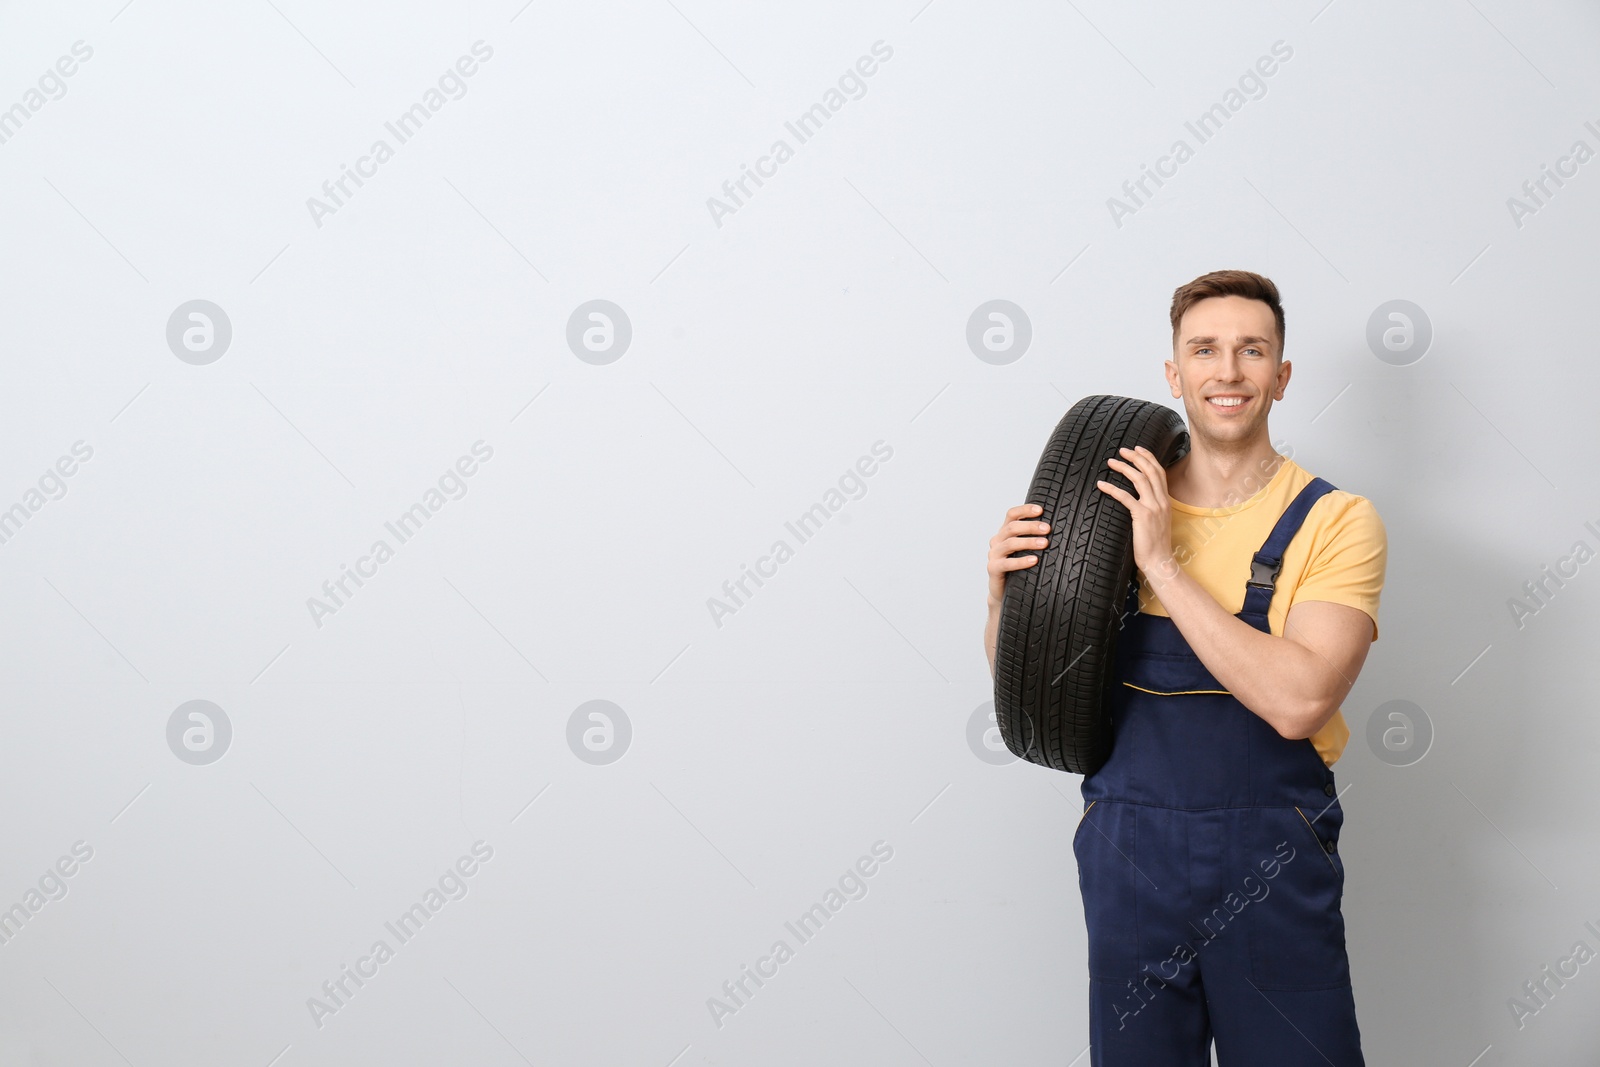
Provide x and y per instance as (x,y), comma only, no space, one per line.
(991,633)
(1282,681)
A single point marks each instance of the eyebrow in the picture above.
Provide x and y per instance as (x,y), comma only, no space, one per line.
(1243,340)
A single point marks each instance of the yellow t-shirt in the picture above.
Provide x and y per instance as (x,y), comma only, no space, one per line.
(1339,555)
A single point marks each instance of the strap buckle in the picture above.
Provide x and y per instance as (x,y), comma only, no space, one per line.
(1264,571)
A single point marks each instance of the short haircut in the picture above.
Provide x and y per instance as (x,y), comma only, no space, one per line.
(1243,283)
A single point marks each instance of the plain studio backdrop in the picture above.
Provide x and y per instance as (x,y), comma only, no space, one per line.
(510,483)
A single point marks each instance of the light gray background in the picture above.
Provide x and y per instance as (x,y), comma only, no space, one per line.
(768,354)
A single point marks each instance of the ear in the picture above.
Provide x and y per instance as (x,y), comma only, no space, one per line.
(1172,376)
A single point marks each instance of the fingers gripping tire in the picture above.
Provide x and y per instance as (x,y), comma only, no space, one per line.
(1059,619)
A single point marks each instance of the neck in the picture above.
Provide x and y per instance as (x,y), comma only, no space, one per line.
(1222,474)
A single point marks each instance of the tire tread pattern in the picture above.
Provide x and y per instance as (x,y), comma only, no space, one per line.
(1060,618)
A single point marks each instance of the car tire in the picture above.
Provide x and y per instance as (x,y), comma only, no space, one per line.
(1059,619)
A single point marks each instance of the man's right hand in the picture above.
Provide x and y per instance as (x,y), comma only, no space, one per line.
(1022,529)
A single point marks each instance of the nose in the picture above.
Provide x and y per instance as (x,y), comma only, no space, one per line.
(1228,367)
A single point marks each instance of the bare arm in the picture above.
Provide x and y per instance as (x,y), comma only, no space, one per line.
(1021,529)
(1294,682)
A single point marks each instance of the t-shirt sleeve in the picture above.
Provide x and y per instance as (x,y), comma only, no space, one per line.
(1349,566)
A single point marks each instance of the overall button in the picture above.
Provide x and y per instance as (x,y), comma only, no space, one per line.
(1328,789)
(1329,846)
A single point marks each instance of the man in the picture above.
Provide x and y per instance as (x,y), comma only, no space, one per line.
(1207,850)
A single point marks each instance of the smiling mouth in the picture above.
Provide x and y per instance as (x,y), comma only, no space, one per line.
(1227,403)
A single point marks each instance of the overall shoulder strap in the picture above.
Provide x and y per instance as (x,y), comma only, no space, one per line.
(1268,560)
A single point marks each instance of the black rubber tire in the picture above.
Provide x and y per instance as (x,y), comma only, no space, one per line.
(1060,618)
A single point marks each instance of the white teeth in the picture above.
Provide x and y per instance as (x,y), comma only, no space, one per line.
(1227,401)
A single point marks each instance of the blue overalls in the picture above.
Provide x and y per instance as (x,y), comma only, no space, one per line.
(1207,860)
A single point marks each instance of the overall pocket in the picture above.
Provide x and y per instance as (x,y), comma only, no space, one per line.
(1297,929)
(1169,674)
(1105,845)
(1079,830)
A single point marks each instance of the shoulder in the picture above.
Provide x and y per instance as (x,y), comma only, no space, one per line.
(1343,510)
(1347,526)
(1338,507)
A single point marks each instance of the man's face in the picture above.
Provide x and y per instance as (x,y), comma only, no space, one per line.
(1225,366)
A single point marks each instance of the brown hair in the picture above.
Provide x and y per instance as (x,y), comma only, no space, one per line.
(1243,283)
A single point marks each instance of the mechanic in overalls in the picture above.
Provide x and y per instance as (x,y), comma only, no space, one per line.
(1208,845)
